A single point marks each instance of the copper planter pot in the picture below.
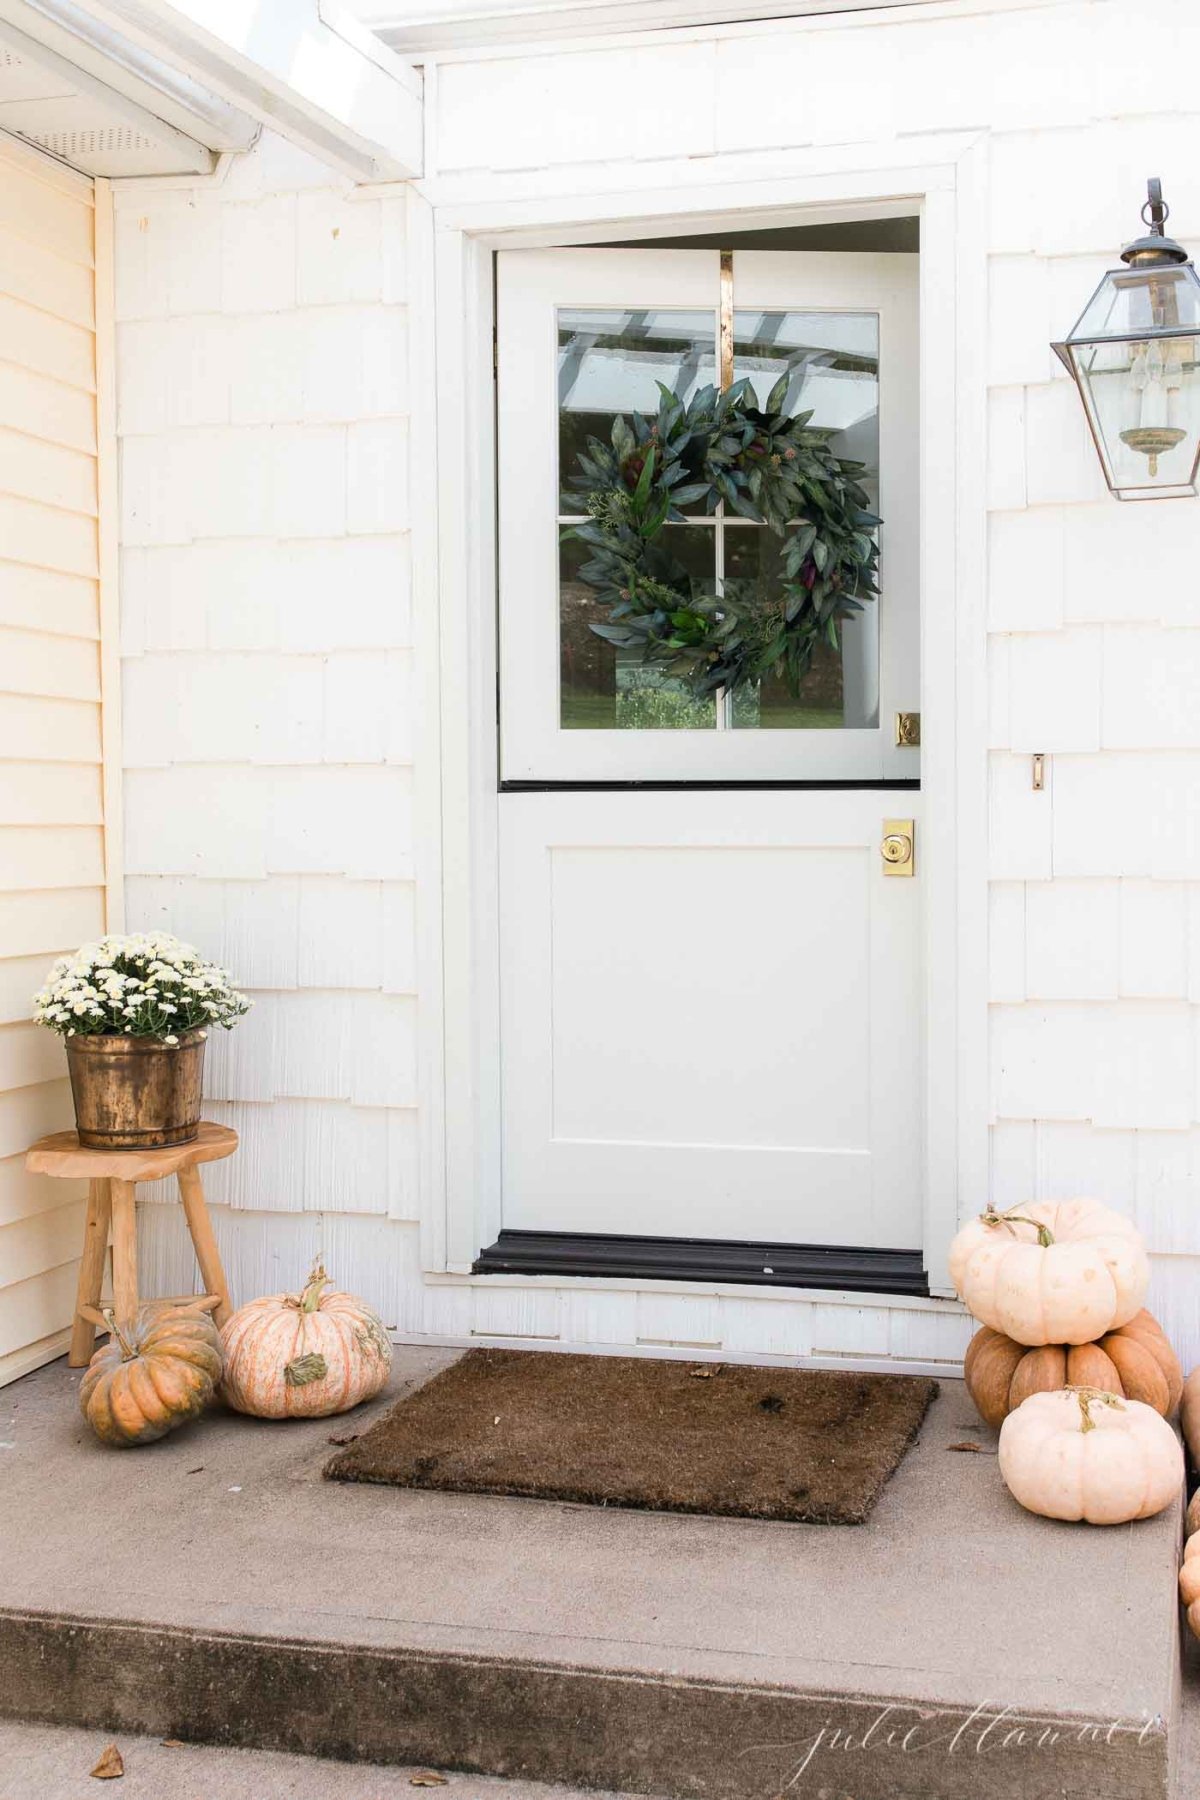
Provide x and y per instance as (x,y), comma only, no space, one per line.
(136,1093)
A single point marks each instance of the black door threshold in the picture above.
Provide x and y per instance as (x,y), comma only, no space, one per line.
(859,1269)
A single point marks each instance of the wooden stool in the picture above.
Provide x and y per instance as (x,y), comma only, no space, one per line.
(112,1175)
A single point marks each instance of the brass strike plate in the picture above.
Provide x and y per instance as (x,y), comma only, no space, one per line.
(898,847)
(908,731)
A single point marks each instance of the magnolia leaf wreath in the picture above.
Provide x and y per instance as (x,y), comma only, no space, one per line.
(774,470)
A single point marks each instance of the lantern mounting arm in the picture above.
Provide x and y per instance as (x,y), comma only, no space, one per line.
(1156,246)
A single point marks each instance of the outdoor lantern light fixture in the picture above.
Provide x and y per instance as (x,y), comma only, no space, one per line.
(1133,354)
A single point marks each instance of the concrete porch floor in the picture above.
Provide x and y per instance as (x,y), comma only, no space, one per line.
(213,1587)
(54,1762)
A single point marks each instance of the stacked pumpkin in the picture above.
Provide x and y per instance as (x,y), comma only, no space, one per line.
(1066,1349)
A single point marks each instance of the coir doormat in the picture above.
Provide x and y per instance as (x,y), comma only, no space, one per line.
(754,1443)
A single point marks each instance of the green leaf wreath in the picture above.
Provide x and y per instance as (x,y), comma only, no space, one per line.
(777,471)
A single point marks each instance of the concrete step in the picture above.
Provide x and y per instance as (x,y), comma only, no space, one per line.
(214,1588)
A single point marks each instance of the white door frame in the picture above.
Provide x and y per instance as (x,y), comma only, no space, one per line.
(450,242)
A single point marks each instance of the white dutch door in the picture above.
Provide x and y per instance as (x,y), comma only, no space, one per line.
(710,1015)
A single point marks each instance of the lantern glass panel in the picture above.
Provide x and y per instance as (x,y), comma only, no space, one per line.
(1128,301)
(1140,383)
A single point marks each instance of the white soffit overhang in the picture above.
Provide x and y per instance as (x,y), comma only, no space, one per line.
(69,99)
(137,87)
(415,26)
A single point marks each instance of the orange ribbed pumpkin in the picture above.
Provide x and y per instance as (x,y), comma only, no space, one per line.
(1189,1581)
(304,1356)
(153,1375)
(1135,1362)
(1190,1415)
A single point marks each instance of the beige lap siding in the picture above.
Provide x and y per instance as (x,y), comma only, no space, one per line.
(53,853)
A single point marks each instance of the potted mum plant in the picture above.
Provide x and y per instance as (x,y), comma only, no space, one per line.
(134,1013)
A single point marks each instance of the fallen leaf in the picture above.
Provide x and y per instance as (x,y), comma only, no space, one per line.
(976,1448)
(348,1437)
(198,1470)
(173,1744)
(705,1372)
(110,1765)
(427,1778)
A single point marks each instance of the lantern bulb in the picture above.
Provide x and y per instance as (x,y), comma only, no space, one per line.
(1154,434)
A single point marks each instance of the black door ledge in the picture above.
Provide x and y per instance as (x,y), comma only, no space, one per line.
(853,1268)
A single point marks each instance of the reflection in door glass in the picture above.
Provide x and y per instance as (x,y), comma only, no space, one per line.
(833,363)
(606,689)
(752,571)
(610,363)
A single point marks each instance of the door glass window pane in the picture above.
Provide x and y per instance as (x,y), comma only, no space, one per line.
(752,569)
(833,363)
(609,364)
(603,688)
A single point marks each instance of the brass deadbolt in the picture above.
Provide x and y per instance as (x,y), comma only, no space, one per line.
(896,848)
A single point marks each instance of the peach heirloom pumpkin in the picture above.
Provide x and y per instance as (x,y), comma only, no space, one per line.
(1052,1272)
(306,1355)
(1081,1453)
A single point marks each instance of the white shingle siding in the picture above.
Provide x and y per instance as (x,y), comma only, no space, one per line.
(262,594)
(1093,1039)
(249,822)
(268,642)
(267,683)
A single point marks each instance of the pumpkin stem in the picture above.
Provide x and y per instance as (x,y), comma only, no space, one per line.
(1085,1397)
(1045,1236)
(318,1281)
(127,1350)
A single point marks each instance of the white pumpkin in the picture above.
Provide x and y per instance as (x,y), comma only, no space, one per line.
(1080,1453)
(1054,1272)
(1189,1582)
(304,1356)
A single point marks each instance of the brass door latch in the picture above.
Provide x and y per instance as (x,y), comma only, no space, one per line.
(898,848)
